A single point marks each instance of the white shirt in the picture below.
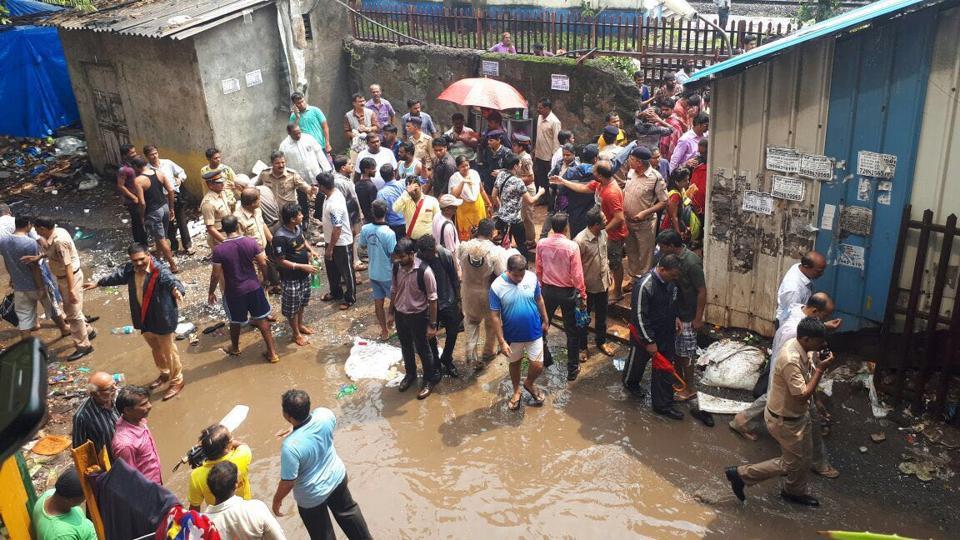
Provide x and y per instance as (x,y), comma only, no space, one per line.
(795,288)
(682,76)
(786,332)
(238,519)
(335,215)
(306,156)
(7,225)
(382,157)
(471,188)
(171,170)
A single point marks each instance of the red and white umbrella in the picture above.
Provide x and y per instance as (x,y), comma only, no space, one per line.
(484,92)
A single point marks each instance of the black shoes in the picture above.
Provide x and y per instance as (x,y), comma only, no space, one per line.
(79,353)
(670,412)
(805,500)
(92,319)
(92,335)
(425,390)
(406,383)
(635,391)
(736,483)
(450,370)
(572,375)
(703,416)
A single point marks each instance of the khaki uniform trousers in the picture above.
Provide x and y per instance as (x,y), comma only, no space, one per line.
(471,329)
(73,313)
(794,461)
(165,355)
(641,240)
(749,420)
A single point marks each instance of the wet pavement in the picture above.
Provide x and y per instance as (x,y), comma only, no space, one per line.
(591,463)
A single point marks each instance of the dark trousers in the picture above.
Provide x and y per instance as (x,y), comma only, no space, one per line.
(412,332)
(541,172)
(566,299)
(449,318)
(179,223)
(345,510)
(304,201)
(516,231)
(596,303)
(136,226)
(661,383)
(340,274)
(399,231)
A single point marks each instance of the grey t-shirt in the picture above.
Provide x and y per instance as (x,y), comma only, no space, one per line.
(12,247)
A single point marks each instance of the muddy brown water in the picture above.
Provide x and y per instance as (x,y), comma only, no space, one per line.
(591,463)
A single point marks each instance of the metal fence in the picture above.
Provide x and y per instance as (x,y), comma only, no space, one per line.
(661,44)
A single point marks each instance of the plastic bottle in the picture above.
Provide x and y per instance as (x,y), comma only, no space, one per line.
(346,390)
(119,378)
(123,330)
(315,278)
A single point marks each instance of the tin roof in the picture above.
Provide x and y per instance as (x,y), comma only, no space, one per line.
(853,19)
(175,19)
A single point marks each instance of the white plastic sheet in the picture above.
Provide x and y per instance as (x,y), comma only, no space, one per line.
(372,360)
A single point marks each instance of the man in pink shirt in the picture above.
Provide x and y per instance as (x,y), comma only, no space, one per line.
(561,275)
(689,141)
(132,441)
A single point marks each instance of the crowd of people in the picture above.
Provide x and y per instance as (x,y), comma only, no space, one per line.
(441,223)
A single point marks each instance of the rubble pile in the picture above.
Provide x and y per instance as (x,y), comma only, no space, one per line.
(47,165)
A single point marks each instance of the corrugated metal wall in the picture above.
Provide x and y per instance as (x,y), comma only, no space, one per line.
(782,102)
(878,85)
(936,182)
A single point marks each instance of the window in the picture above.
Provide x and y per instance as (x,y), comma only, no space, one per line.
(307,29)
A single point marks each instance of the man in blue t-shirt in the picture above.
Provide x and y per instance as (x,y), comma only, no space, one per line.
(379,240)
(311,468)
(520,319)
(391,191)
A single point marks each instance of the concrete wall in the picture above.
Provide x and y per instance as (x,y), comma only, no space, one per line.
(424,72)
(156,91)
(783,103)
(327,66)
(247,124)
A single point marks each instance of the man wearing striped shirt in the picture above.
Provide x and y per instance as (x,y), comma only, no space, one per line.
(653,328)
(96,418)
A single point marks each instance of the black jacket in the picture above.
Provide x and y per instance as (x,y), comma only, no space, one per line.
(162,311)
(445,272)
(653,311)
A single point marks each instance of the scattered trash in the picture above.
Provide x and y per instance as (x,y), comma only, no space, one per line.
(719,405)
(879,409)
(184,329)
(80,235)
(195,227)
(731,364)
(918,461)
(194,339)
(371,360)
(68,146)
(619,363)
(346,390)
(89,182)
(51,445)
(878,437)
(213,328)
(119,378)
(394,382)
(863,449)
(122,330)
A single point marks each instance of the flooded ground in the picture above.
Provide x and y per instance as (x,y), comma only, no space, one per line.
(592,463)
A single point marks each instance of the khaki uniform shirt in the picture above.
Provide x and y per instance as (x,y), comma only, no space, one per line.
(593,257)
(229,184)
(61,250)
(284,187)
(790,375)
(423,150)
(642,191)
(251,224)
(213,208)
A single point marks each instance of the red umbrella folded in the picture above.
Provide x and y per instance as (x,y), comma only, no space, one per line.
(484,92)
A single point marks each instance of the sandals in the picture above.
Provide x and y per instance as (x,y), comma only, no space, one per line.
(229,352)
(211,329)
(272,359)
(752,437)
(327,298)
(536,400)
(514,405)
(344,307)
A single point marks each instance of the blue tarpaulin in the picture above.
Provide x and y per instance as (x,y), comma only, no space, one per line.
(35,93)
(22,8)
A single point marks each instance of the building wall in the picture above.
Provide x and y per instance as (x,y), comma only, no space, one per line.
(782,103)
(328,66)
(935,185)
(424,72)
(249,123)
(138,90)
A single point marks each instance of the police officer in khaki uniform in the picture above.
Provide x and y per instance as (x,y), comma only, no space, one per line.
(214,206)
(798,370)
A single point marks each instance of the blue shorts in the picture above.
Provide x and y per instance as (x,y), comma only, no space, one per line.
(381,289)
(254,304)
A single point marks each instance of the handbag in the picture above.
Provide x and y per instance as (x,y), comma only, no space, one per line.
(8,310)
